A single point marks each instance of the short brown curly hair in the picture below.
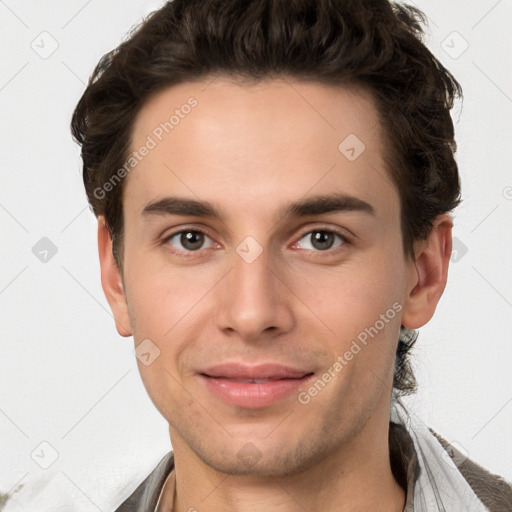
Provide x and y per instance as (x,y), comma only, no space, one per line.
(373,43)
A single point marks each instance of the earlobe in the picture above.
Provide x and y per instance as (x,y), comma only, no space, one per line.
(428,274)
(111,280)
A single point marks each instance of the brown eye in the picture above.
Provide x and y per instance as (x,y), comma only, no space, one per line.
(323,239)
(190,240)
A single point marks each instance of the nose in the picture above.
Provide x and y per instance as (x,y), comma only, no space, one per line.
(253,299)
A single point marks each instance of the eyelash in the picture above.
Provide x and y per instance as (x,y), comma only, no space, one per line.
(192,254)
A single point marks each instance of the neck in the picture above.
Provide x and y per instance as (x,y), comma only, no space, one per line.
(355,476)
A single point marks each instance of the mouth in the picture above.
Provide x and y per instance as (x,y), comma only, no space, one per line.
(253,387)
(261,372)
(253,381)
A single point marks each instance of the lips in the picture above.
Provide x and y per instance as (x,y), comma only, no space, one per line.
(253,387)
(263,372)
(253,381)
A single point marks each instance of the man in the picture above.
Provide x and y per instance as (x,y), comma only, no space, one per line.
(273,183)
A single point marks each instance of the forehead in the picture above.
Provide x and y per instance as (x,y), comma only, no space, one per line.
(236,142)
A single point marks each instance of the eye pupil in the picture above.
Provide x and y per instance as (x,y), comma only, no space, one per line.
(322,239)
(192,240)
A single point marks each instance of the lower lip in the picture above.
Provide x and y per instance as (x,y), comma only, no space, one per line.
(253,395)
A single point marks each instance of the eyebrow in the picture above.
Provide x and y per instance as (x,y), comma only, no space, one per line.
(316,205)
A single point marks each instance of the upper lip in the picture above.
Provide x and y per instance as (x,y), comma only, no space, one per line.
(261,371)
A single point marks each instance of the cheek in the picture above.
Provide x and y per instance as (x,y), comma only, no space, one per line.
(353,296)
(168,305)
(361,304)
(163,388)
(159,296)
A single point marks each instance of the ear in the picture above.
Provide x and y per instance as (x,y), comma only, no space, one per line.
(111,280)
(428,274)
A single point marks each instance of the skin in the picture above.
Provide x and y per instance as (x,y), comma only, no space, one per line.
(249,150)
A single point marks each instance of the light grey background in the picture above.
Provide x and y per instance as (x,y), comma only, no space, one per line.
(68,380)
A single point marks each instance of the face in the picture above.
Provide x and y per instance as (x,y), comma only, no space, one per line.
(307,300)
